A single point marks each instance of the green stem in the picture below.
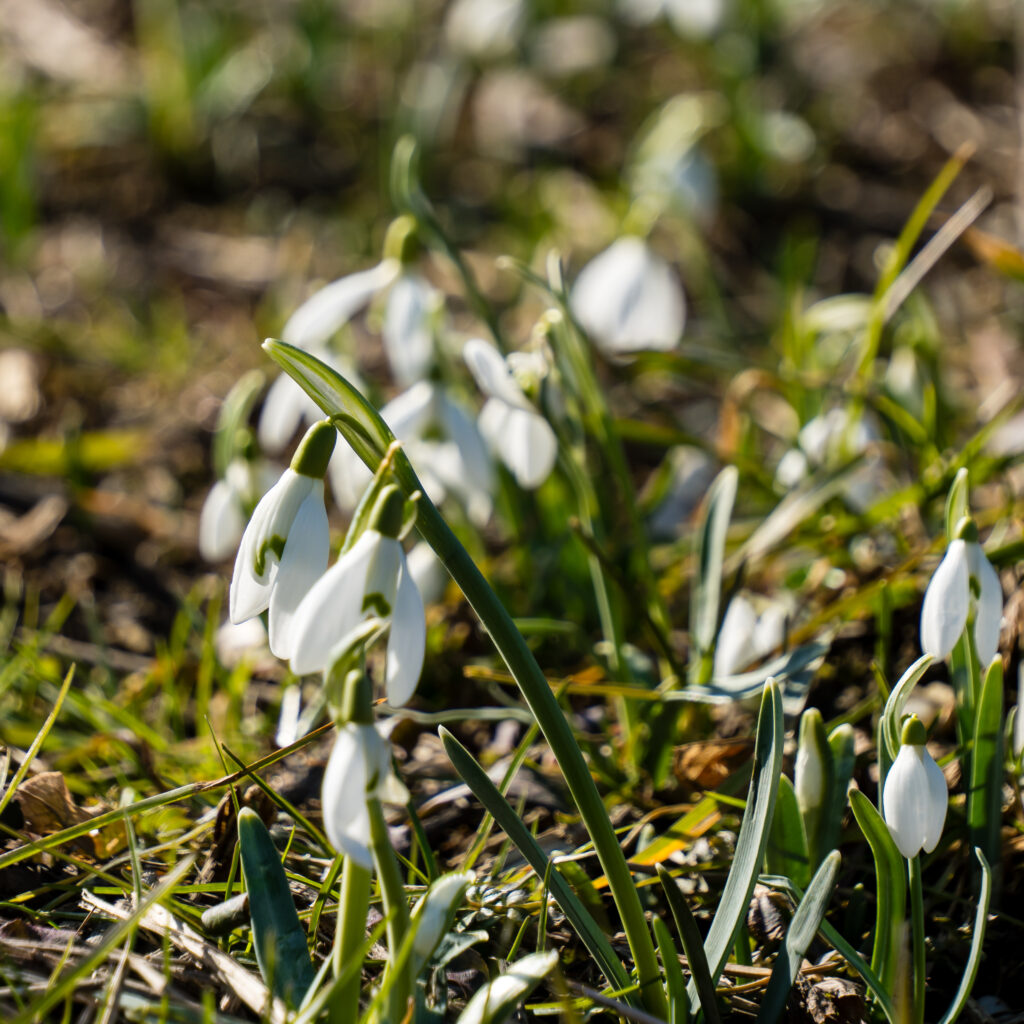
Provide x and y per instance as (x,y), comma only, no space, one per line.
(557,731)
(917,924)
(396,909)
(349,935)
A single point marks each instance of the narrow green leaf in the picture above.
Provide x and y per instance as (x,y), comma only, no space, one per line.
(957,501)
(841,747)
(844,949)
(889,724)
(499,808)
(799,936)
(433,915)
(985,796)
(977,941)
(706,593)
(496,1001)
(703,995)
(787,842)
(753,837)
(278,938)
(891,881)
(675,986)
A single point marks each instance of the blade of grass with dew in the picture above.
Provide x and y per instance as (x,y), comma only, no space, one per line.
(499,808)
(891,882)
(706,590)
(277,935)
(799,935)
(113,938)
(675,985)
(977,942)
(704,998)
(753,836)
(985,795)
(497,1001)
(786,853)
(370,437)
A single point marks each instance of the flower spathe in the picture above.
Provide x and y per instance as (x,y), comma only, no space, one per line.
(371,578)
(964,583)
(285,546)
(510,425)
(358,769)
(915,796)
(628,299)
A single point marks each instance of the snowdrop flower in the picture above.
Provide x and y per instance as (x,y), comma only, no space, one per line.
(628,299)
(809,770)
(512,427)
(484,29)
(915,796)
(964,586)
(359,769)
(746,636)
(370,579)
(285,546)
(444,446)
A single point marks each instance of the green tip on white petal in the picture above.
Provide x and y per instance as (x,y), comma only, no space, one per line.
(315,450)
(966,529)
(388,514)
(914,733)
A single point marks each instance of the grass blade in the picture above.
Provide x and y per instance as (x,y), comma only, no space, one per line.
(889,724)
(703,984)
(675,986)
(706,593)
(753,837)
(799,936)
(499,808)
(977,941)
(787,842)
(277,935)
(984,798)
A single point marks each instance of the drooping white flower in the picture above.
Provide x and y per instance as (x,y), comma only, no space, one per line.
(915,797)
(358,769)
(370,579)
(285,546)
(511,426)
(628,299)
(222,517)
(964,583)
(484,29)
(407,333)
(746,636)
(444,446)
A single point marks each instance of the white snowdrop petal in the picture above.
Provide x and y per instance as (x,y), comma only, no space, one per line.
(944,612)
(409,414)
(221,522)
(302,563)
(382,578)
(809,777)
(427,572)
(332,608)
(464,433)
(249,594)
(346,820)
(733,647)
(284,409)
(903,801)
(406,330)
(330,308)
(349,477)
(770,629)
(493,418)
(491,372)
(628,299)
(989,612)
(792,468)
(936,803)
(406,642)
(528,447)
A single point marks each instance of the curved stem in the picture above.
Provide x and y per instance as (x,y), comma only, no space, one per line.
(917,925)
(392,892)
(349,934)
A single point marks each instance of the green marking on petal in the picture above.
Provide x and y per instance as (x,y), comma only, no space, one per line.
(378,603)
(274,545)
